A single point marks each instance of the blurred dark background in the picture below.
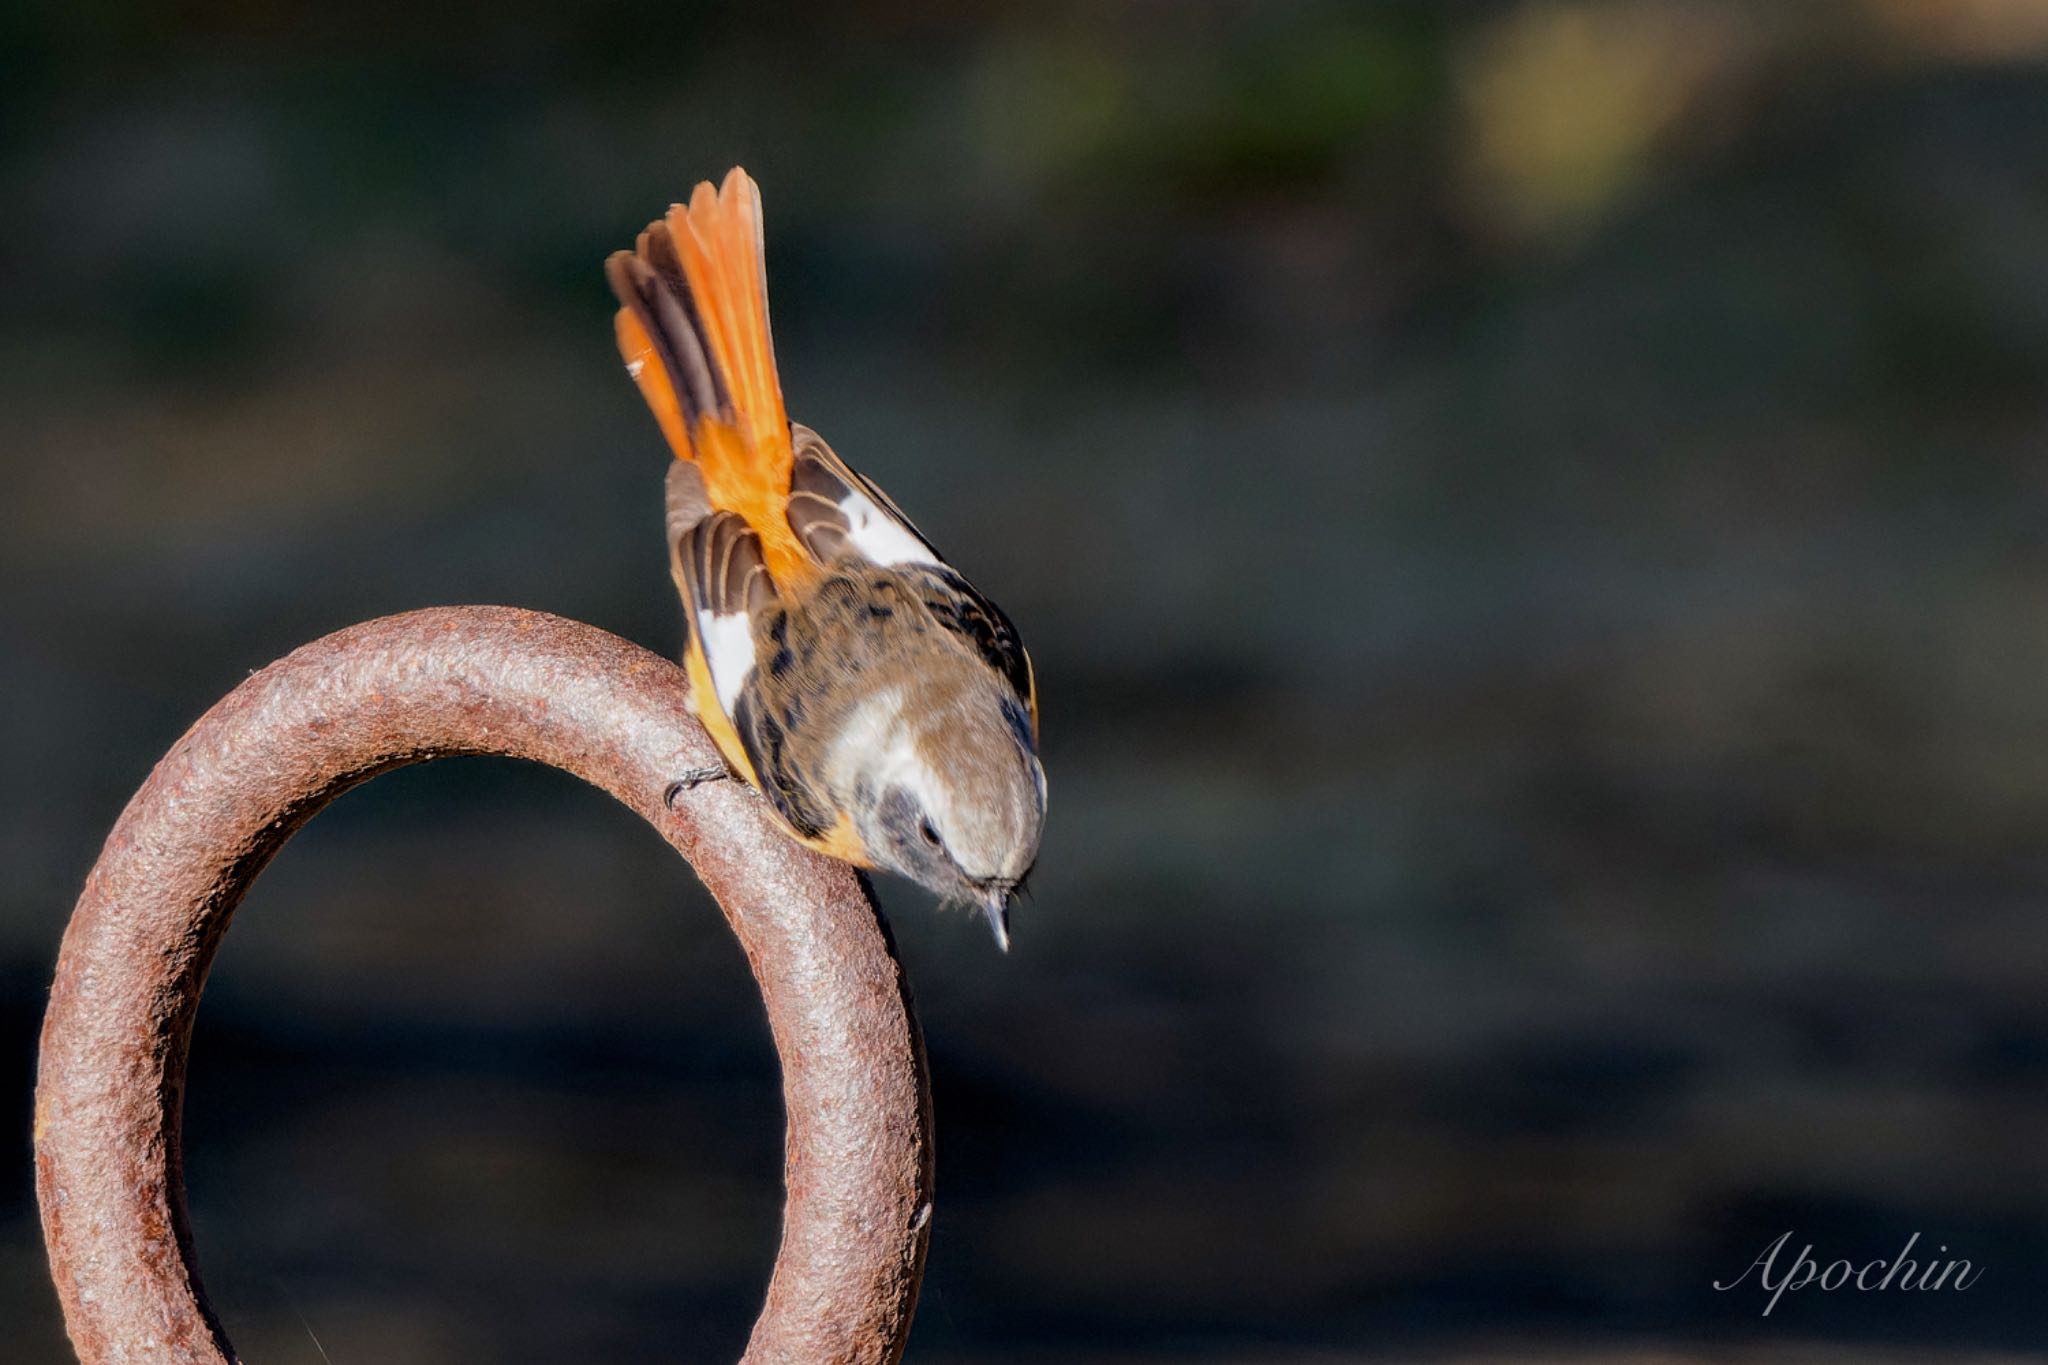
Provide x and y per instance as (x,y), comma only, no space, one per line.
(1531,522)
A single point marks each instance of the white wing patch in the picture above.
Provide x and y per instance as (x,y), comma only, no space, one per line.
(835,512)
(728,651)
(878,537)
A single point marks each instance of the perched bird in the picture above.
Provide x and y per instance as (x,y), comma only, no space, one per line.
(884,708)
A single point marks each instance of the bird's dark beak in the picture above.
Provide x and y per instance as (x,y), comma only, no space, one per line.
(995,907)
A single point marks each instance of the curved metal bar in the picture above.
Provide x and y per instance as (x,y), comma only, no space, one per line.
(465,680)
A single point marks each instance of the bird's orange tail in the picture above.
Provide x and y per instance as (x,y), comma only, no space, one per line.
(693,329)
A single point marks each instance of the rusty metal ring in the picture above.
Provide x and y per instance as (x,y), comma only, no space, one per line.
(404,689)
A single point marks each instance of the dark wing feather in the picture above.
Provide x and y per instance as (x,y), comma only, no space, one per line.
(839,514)
(765,735)
(688,501)
(717,561)
(955,604)
(726,571)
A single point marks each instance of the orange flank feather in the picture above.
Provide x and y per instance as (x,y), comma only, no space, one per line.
(740,438)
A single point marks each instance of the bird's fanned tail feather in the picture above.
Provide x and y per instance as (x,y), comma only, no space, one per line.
(693,330)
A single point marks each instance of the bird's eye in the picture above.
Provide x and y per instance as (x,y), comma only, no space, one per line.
(929,831)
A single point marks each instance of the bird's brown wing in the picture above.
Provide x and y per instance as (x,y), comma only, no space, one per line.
(958,607)
(725,584)
(838,514)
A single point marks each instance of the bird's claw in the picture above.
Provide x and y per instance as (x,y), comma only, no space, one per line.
(691,779)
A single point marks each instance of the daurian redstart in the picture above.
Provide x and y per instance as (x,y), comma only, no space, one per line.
(884,708)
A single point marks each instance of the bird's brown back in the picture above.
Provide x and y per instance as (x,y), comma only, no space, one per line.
(860,633)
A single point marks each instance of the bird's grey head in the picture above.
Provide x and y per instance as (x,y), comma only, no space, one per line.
(948,787)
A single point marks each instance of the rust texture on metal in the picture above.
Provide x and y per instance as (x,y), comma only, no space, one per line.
(465,680)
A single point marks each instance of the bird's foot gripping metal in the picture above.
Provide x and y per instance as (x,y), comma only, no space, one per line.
(691,779)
